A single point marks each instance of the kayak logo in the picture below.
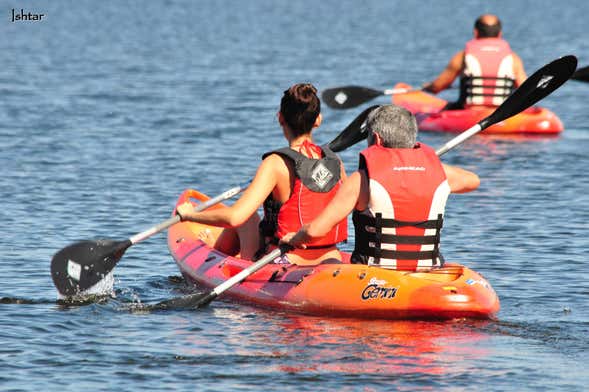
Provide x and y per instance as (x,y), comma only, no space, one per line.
(341,97)
(377,289)
(544,81)
(321,175)
(482,282)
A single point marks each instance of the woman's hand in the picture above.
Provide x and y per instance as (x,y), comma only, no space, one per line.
(184,210)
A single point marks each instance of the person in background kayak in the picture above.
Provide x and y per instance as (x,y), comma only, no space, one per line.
(397,196)
(293,184)
(489,70)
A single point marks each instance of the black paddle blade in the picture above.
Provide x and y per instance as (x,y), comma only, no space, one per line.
(543,82)
(353,133)
(582,74)
(346,97)
(192,301)
(80,266)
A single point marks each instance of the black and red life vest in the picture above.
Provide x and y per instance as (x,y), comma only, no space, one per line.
(488,76)
(316,183)
(401,227)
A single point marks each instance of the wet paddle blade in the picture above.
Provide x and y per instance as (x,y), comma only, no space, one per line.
(543,82)
(78,267)
(192,301)
(346,97)
(353,133)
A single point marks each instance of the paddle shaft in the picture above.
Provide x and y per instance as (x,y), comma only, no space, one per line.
(581,74)
(240,277)
(176,218)
(459,139)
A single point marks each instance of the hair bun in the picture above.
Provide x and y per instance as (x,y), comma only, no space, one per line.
(305,91)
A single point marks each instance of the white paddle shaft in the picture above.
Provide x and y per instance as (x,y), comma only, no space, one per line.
(247,272)
(175,219)
(459,139)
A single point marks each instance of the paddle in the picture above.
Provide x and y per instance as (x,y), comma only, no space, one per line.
(200,300)
(346,97)
(80,266)
(542,82)
(581,74)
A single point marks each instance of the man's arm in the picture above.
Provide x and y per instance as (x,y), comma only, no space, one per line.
(461,180)
(448,75)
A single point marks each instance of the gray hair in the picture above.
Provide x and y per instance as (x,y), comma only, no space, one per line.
(396,126)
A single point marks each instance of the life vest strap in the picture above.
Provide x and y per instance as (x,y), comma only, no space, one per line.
(469,83)
(370,238)
(405,239)
(369,221)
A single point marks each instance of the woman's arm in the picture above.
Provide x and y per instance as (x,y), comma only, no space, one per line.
(253,197)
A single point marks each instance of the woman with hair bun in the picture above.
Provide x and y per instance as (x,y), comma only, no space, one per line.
(293,184)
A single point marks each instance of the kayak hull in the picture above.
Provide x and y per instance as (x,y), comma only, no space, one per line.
(339,290)
(428,110)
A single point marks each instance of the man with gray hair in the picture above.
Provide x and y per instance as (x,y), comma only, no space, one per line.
(397,196)
(396,127)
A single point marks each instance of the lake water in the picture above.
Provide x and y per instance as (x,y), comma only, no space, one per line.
(110,109)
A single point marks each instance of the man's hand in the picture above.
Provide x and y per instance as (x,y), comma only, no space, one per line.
(428,87)
(296,240)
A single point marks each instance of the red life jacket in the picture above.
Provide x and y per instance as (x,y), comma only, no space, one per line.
(316,183)
(488,77)
(401,227)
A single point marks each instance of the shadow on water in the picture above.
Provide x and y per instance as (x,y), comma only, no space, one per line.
(571,337)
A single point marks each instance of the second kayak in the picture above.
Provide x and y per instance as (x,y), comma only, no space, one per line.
(428,110)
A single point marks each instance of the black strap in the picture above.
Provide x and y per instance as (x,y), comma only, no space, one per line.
(377,238)
(404,239)
(319,175)
(469,83)
(369,238)
(394,223)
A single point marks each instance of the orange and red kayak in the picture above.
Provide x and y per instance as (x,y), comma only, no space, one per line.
(341,290)
(428,110)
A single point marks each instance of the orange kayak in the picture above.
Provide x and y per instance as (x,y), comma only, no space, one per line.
(341,290)
(430,116)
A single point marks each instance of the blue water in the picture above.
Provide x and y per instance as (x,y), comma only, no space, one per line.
(110,109)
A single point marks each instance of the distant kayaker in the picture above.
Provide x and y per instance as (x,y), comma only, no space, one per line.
(489,70)
(293,184)
(397,196)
